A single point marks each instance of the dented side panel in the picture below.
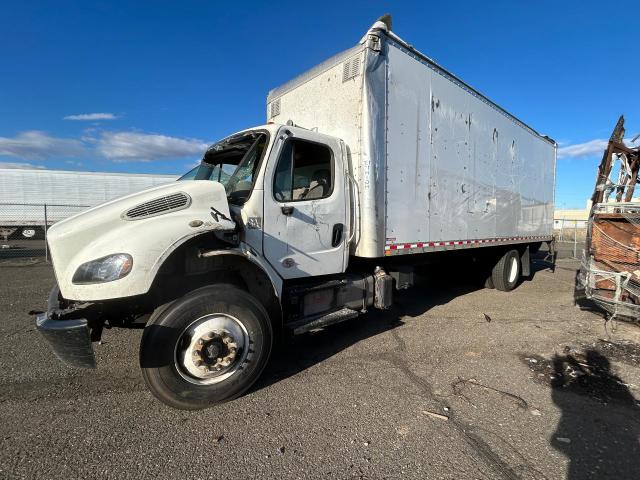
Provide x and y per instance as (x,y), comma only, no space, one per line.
(466,170)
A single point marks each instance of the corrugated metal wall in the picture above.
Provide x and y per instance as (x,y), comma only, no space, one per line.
(71,188)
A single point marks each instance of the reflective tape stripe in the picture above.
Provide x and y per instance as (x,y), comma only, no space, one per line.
(421,245)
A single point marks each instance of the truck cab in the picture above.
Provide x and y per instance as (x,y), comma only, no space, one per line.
(288,196)
(235,240)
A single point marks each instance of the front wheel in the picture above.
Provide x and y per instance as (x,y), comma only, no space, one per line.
(205,348)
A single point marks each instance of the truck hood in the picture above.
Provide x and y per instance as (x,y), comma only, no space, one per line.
(147,225)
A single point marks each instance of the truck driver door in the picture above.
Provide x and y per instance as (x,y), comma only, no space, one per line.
(305,206)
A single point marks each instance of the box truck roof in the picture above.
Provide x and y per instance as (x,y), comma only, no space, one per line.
(382,27)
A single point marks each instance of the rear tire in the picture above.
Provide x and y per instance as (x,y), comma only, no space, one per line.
(180,369)
(488,283)
(507,271)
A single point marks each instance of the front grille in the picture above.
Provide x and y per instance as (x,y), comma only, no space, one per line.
(158,206)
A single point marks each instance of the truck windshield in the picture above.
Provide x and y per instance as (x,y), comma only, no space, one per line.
(234,163)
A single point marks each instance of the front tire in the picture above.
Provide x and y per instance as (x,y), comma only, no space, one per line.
(507,271)
(205,348)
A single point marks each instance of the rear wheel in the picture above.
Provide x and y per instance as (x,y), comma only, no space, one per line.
(488,282)
(506,272)
(205,348)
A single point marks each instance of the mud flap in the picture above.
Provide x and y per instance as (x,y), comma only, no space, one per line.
(525,263)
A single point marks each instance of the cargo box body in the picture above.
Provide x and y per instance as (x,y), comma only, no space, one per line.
(437,165)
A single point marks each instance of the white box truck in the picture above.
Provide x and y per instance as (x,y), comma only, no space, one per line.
(372,164)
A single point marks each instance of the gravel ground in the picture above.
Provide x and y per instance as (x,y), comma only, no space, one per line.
(454,382)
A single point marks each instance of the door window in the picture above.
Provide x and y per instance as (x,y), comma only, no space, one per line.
(304,172)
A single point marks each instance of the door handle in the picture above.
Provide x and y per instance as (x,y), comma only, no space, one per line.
(287,210)
(336,236)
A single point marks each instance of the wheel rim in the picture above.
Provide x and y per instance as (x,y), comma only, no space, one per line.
(513,270)
(211,349)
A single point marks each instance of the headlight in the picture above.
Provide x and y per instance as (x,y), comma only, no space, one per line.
(105,269)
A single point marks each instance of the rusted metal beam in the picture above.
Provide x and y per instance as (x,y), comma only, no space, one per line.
(618,131)
(632,183)
(622,148)
(628,176)
(604,169)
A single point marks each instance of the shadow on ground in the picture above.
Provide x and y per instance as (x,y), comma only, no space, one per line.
(299,353)
(599,430)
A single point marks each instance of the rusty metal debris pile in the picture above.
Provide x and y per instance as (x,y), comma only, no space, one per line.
(610,273)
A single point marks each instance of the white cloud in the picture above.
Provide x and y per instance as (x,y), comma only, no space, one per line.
(135,146)
(38,145)
(91,116)
(114,146)
(19,165)
(586,149)
(592,148)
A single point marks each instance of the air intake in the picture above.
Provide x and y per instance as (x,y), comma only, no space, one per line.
(351,68)
(158,206)
(275,108)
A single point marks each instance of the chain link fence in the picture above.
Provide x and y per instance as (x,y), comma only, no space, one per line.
(570,235)
(23,228)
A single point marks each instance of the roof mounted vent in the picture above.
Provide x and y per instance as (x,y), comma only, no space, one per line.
(274,109)
(351,68)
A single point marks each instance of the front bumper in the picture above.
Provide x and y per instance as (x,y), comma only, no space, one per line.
(69,339)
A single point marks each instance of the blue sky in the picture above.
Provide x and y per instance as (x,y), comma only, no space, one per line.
(144,86)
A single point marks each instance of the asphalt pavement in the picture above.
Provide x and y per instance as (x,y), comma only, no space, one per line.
(454,382)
